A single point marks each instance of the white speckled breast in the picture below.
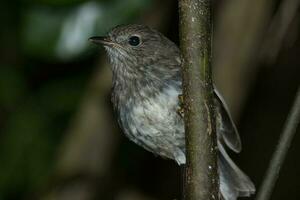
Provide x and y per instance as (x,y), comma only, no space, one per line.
(156,119)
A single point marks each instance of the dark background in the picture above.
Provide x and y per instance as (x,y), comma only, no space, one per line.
(58,135)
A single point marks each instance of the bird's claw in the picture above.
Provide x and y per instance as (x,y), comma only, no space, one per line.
(180,110)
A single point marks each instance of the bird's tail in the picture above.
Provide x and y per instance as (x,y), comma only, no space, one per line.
(233,182)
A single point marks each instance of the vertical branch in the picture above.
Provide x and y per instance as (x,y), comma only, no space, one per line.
(201,181)
(281,151)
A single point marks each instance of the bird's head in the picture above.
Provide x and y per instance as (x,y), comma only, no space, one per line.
(138,47)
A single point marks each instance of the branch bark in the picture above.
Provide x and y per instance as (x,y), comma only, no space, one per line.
(281,151)
(201,175)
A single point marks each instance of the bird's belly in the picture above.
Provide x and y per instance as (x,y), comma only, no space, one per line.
(156,126)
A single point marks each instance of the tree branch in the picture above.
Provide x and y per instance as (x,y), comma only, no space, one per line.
(201,181)
(281,151)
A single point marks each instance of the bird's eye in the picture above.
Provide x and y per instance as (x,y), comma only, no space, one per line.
(134,41)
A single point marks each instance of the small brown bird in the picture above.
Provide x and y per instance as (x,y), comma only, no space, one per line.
(146,84)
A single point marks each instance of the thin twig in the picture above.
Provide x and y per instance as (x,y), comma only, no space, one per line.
(281,151)
(201,179)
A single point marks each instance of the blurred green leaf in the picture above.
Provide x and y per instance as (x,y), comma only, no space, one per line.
(62,33)
(61,96)
(25,150)
(12,86)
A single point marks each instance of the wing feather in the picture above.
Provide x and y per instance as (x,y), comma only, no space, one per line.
(226,127)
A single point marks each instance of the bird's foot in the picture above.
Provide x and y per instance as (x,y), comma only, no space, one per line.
(180,110)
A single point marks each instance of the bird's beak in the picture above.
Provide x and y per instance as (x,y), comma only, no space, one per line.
(104,40)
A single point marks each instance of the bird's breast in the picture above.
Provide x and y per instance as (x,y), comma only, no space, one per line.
(149,117)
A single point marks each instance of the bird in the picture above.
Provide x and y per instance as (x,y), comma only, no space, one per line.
(146,85)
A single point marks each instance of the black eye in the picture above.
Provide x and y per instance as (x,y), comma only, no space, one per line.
(134,41)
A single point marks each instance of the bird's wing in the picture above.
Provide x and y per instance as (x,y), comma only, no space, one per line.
(226,127)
